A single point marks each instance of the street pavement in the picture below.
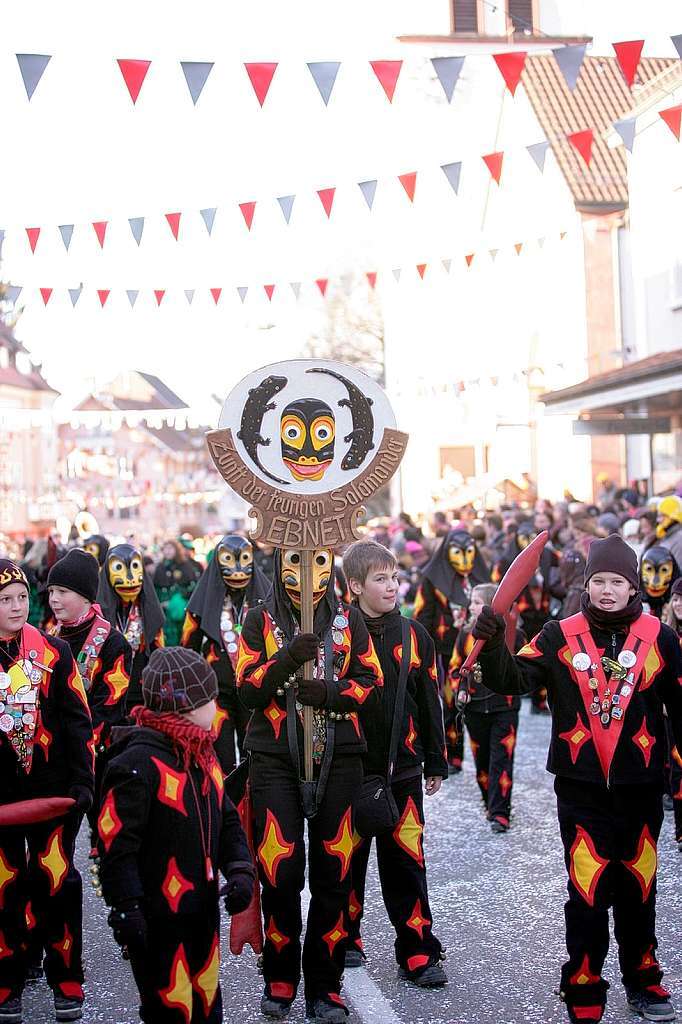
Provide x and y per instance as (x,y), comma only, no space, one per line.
(497,903)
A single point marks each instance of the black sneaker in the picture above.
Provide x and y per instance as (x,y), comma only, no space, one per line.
(432,976)
(324,1012)
(34,975)
(67,1008)
(668,803)
(354,958)
(274,1008)
(498,826)
(651,1005)
(10,1011)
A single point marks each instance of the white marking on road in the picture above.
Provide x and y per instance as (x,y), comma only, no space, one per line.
(370,1005)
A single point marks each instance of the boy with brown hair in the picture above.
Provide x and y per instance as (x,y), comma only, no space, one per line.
(372,573)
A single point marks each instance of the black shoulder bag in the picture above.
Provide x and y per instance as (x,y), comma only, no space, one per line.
(376,811)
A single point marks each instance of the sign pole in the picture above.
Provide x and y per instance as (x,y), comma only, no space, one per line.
(307,616)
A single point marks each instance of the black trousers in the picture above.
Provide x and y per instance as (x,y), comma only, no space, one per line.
(493,740)
(674,779)
(609,838)
(230,723)
(452,719)
(402,874)
(41,906)
(281,855)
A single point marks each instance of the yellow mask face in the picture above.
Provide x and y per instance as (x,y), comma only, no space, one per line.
(656,578)
(234,557)
(92,549)
(462,558)
(125,569)
(323,564)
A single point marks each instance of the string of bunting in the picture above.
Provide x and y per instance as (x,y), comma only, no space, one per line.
(12,292)
(260,74)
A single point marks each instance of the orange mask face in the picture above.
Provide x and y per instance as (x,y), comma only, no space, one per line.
(125,569)
(323,564)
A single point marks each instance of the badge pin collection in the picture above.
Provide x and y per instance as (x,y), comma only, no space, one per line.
(230,630)
(133,629)
(88,655)
(608,707)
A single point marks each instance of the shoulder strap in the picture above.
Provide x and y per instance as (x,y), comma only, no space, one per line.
(574,625)
(399,705)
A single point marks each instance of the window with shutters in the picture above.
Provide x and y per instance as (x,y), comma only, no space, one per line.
(521,15)
(466,16)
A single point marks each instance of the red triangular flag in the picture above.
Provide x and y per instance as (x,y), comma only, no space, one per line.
(103,295)
(269,289)
(493,162)
(371,276)
(387,72)
(46,293)
(100,227)
(671,115)
(511,66)
(159,294)
(470,258)
(33,236)
(134,73)
(261,76)
(582,143)
(421,269)
(628,55)
(409,183)
(216,293)
(322,283)
(327,198)
(248,210)
(518,246)
(174,223)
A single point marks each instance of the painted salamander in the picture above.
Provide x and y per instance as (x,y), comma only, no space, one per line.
(363,421)
(255,407)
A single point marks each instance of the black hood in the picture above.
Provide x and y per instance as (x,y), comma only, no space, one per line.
(441,574)
(150,609)
(283,612)
(206,603)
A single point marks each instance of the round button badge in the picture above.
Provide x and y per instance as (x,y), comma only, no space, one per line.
(581,661)
(627,659)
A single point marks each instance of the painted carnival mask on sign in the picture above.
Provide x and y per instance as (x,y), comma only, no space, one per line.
(307,434)
(323,563)
(234,557)
(126,571)
(657,571)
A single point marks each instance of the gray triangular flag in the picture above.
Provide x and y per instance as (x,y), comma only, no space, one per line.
(446,265)
(626,129)
(132,294)
(242,290)
(296,288)
(539,151)
(137,227)
(75,294)
(396,273)
(189,295)
(448,70)
(570,60)
(347,283)
(209,216)
(541,242)
(677,43)
(324,74)
(196,73)
(32,66)
(493,253)
(13,293)
(286,204)
(368,189)
(66,231)
(452,172)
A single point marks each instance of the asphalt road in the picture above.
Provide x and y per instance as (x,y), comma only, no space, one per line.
(498,908)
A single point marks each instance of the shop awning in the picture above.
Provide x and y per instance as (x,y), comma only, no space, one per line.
(655,381)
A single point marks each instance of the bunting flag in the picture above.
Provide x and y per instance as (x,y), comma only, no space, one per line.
(626,129)
(45,293)
(368,189)
(677,43)
(174,223)
(269,289)
(446,265)
(248,210)
(673,118)
(189,295)
(409,183)
(627,55)
(570,60)
(453,173)
(371,276)
(493,253)
(13,292)
(469,258)
(159,294)
(208,216)
(582,143)
(296,289)
(286,204)
(448,70)
(387,72)
(66,231)
(100,229)
(103,295)
(241,291)
(324,74)
(518,246)
(132,294)
(216,293)
(511,66)
(261,76)
(421,270)
(493,162)
(322,283)
(347,283)
(33,236)
(327,199)
(134,73)
(137,227)
(75,294)
(196,75)
(538,151)
(32,67)
(396,273)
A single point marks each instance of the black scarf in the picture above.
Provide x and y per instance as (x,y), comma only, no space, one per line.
(286,616)
(376,625)
(441,574)
(611,622)
(206,603)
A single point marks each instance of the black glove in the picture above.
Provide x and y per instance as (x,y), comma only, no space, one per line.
(129,926)
(312,692)
(238,890)
(303,648)
(490,627)
(83,798)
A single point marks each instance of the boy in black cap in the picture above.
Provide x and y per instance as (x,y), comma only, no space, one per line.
(166,828)
(609,671)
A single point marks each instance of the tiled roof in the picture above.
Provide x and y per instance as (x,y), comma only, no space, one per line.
(600,98)
(652,366)
(167,396)
(158,396)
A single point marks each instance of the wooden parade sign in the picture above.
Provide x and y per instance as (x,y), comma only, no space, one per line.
(306,442)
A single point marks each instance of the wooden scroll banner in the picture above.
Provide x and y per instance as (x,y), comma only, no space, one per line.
(307,443)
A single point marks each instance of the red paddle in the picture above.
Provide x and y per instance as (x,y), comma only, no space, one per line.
(517,576)
(28,812)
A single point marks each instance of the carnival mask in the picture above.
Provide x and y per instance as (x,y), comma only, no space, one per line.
(657,571)
(290,574)
(125,570)
(461,552)
(307,432)
(234,558)
(92,548)
(525,534)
